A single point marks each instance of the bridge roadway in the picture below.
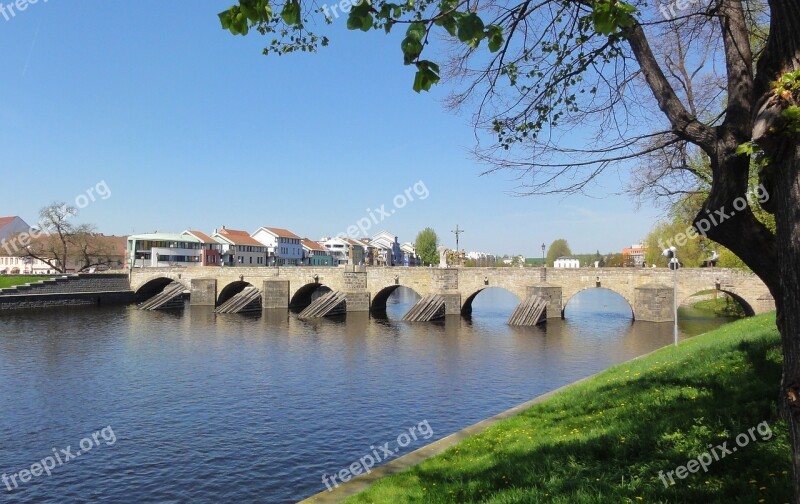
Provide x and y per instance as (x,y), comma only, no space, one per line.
(648,291)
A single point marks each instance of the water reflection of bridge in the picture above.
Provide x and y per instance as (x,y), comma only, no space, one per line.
(647,291)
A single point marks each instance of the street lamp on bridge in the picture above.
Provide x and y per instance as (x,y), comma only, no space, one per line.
(543,262)
(674,264)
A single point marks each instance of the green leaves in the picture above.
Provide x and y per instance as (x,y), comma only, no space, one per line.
(427,75)
(609,16)
(470,29)
(360,17)
(239,18)
(412,44)
(791,115)
(291,12)
(495,35)
(748,148)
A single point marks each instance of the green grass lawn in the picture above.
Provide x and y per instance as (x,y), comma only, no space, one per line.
(11,281)
(722,305)
(605,440)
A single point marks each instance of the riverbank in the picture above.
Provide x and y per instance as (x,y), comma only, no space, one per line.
(719,304)
(7,281)
(607,439)
(68,290)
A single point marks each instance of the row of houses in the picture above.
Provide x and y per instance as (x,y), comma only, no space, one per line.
(266,246)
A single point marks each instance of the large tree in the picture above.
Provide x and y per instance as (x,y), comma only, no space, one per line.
(625,75)
(426,244)
(557,249)
(62,244)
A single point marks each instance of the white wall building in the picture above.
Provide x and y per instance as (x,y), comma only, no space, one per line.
(284,247)
(567,262)
(338,249)
(388,249)
(159,250)
(345,250)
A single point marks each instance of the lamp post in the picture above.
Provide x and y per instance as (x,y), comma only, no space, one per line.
(543,262)
(674,264)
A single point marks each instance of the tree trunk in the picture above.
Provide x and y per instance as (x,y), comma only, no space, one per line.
(782,179)
(786,162)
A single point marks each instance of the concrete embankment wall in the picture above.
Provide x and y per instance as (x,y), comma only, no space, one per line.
(82,289)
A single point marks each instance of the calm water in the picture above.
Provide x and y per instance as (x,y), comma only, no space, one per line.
(255,408)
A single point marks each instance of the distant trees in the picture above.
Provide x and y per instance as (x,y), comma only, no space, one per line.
(558,248)
(426,243)
(599,259)
(614,260)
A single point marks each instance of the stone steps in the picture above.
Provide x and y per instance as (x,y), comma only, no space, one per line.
(72,284)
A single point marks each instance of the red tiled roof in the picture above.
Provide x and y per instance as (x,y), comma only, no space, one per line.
(240,237)
(312,245)
(202,236)
(4,221)
(283,233)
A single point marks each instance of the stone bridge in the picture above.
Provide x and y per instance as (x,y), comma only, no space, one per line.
(648,291)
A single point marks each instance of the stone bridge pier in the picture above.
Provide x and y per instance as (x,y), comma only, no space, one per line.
(648,291)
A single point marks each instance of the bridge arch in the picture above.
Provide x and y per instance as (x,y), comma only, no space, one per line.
(619,294)
(379,299)
(303,296)
(748,307)
(152,287)
(466,305)
(231,289)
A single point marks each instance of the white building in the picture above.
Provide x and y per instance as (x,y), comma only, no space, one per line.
(337,248)
(388,249)
(345,250)
(410,257)
(240,249)
(160,250)
(284,247)
(567,262)
(14,265)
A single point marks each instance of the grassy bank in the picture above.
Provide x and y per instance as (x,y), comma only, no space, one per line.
(11,281)
(721,305)
(606,440)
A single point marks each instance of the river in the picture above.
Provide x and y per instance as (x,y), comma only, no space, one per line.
(188,406)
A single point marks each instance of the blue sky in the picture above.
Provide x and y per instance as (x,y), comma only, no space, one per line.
(191,127)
